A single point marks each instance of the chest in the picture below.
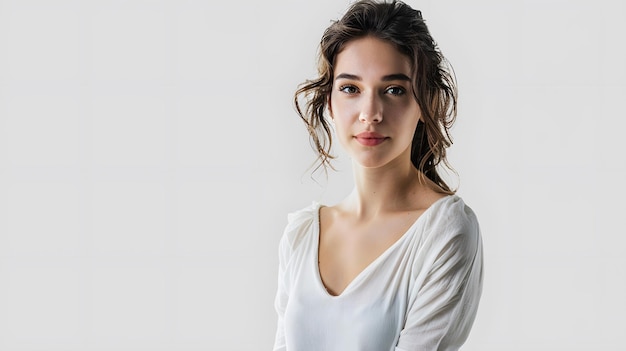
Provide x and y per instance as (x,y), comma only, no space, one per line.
(369,313)
(357,323)
(347,247)
(367,316)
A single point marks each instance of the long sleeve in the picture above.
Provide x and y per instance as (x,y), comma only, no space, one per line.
(282,294)
(442,307)
(290,253)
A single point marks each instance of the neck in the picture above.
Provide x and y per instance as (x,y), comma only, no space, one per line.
(390,189)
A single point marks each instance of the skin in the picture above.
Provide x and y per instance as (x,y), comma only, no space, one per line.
(371,92)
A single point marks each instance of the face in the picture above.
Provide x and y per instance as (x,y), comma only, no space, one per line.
(372,103)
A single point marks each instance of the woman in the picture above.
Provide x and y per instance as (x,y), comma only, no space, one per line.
(396,265)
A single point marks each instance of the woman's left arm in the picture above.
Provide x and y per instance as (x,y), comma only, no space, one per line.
(441,310)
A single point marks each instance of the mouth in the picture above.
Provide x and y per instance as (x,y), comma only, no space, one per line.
(370,138)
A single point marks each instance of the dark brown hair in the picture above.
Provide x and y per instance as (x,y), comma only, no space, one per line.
(434,86)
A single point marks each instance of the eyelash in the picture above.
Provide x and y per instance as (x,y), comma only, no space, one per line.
(400,90)
(344,87)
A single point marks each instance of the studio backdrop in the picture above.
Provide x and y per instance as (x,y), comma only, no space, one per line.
(150,153)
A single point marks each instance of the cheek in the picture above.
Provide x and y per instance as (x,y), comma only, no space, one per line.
(404,114)
(403,123)
(343,128)
(342,107)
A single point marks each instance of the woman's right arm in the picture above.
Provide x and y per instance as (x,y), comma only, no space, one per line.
(282,294)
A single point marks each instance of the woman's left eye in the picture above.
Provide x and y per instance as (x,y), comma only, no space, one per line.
(395,91)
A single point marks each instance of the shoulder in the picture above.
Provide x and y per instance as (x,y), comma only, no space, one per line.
(455,214)
(451,220)
(299,224)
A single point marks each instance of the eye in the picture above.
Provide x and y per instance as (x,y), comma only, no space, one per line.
(348,89)
(395,91)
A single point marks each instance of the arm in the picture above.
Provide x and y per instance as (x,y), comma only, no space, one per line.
(282,296)
(443,306)
(298,224)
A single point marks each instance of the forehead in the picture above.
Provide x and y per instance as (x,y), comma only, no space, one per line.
(371,57)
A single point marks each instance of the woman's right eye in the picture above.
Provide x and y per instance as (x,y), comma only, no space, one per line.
(348,89)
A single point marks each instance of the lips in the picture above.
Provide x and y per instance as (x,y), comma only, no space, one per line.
(370,138)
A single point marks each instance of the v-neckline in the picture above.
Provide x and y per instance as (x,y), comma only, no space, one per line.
(375,262)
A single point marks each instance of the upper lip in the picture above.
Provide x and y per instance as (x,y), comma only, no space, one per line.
(370,135)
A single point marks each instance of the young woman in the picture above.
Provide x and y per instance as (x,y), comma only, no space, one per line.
(396,265)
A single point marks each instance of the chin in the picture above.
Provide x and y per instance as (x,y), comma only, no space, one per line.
(371,162)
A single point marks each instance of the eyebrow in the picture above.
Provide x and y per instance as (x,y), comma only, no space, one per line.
(387,78)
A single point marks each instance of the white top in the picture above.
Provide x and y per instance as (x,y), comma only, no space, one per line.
(421,294)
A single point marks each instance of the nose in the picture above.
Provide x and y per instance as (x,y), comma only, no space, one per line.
(371,109)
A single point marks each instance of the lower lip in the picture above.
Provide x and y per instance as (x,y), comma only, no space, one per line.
(370,141)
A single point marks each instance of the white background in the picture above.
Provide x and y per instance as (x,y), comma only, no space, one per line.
(149,154)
